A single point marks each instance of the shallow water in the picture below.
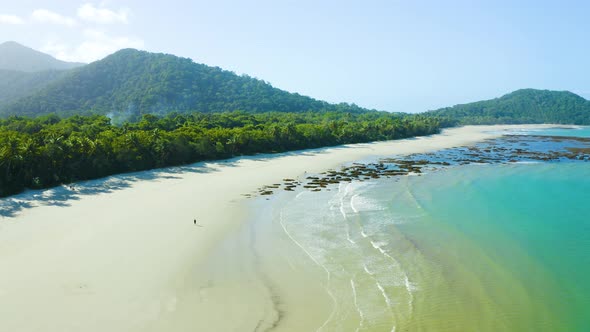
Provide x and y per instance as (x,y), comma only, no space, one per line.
(475,247)
(581,131)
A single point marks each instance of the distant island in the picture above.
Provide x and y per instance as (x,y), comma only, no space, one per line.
(136,110)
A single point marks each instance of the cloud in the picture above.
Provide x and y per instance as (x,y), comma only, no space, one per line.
(47,16)
(56,49)
(10,19)
(90,13)
(97,45)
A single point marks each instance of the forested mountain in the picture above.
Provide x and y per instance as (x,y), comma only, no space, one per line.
(14,56)
(17,84)
(129,83)
(522,106)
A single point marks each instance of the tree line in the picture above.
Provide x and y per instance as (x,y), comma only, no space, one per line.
(50,150)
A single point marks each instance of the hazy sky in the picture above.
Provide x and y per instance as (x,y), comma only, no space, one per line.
(390,55)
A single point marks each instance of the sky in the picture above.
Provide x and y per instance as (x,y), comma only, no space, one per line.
(402,56)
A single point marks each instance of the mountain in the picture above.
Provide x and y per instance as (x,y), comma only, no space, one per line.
(522,106)
(14,56)
(131,82)
(24,71)
(17,84)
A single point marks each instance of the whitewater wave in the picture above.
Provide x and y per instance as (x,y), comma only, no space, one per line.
(328,273)
(359,203)
(356,305)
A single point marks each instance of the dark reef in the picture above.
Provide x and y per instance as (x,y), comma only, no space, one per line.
(506,149)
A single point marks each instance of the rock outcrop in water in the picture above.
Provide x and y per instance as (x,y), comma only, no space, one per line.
(507,149)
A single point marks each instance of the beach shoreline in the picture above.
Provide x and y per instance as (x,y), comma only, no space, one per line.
(124,254)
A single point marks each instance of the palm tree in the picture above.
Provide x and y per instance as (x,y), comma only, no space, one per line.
(11,154)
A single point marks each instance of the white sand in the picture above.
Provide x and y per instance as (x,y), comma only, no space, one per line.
(126,259)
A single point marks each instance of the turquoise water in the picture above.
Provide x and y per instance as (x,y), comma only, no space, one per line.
(500,247)
(577,132)
(532,221)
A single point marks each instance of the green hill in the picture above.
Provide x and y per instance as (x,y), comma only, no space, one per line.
(522,106)
(130,83)
(14,56)
(17,84)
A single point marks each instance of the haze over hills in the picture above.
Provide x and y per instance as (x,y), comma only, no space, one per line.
(522,106)
(16,84)
(14,56)
(24,71)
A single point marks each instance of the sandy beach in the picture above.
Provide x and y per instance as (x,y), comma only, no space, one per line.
(123,253)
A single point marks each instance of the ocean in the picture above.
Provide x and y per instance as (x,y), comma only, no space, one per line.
(469,247)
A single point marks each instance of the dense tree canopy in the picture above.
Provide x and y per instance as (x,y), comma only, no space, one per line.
(48,150)
(522,106)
